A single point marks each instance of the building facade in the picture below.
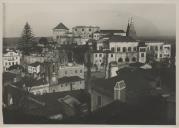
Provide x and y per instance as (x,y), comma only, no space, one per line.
(10,58)
(71,70)
(68,84)
(86,32)
(34,68)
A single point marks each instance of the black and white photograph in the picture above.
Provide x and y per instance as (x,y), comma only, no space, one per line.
(93,63)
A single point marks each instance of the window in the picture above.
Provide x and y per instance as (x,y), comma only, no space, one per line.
(100,55)
(124,49)
(112,49)
(156,48)
(160,55)
(142,54)
(76,71)
(90,29)
(99,60)
(127,59)
(161,47)
(118,49)
(81,71)
(82,29)
(96,55)
(99,101)
(9,63)
(129,49)
(134,59)
(120,60)
(111,55)
(65,72)
(75,29)
(57,37)
(135,49)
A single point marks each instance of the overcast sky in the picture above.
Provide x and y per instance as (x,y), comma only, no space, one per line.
(149,19)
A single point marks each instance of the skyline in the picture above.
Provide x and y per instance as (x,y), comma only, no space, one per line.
(155,20)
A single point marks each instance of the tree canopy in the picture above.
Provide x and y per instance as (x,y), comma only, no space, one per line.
(26,43)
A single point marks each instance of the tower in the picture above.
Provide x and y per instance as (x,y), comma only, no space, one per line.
(130,32)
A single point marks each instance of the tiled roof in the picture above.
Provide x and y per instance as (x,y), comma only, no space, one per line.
(118,38)
(69,79)
(35,64)
(136,80)
(30,82)
(61,26)
(112,31)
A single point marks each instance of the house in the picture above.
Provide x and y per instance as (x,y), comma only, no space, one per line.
(11,57)
(36,86)
(34,68)
(29,59)
(68,84)
(71,69)
(130,85)
(59,30)
(86,32)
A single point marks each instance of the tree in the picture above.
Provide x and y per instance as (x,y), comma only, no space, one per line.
(26,43)
(44,41)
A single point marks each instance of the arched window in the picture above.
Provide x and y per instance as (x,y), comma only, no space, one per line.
(124,49)
(127,59)
(120,60)
(134,59)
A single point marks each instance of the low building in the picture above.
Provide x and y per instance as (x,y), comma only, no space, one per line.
(158,50)
(68,84)
(59,30)
(34,68)
(86,32)
(10,58)
(29,59)
(71,70)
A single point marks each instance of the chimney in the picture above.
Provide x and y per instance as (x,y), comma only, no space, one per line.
(119,91)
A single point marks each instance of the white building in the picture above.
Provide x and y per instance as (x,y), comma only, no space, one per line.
(166,51)
(11,57)
(159,49)
(124,49)
(86,32)
(59,30)
(39,89)
(71,70)
(34,68)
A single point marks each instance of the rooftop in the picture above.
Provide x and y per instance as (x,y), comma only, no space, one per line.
(112,31)
(69,79)
(118,38)
(61,26)
(35,64)
(30,82)
(137,82)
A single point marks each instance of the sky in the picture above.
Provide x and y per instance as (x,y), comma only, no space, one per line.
(149,19)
